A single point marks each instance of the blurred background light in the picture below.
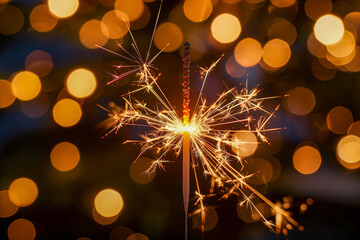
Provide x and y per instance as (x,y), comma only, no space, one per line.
(329,29)
(339,119)
(316,8)
(63,8)
(41,19)
(299,101)
(210,221)
(39,62)
(7,208)
(247,143)
(91,34)
(115,24)
(11,20)
(133,9)
(23,192)
(276,53)
(139,171)
(168,36)
(67,112)
(307,160)
(21,229)
(25,85)
(225,28)
(81,83)
(348,149)
(197,10)
(283,3)
(65,156)
(248,52)
(6,95)
(108,203)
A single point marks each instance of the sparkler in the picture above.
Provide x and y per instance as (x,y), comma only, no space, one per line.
(204,139)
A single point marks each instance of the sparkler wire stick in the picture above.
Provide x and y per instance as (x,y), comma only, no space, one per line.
(186,135)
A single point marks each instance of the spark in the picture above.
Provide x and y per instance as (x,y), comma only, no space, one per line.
(205,138)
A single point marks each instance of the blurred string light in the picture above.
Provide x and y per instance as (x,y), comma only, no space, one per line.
(67,112)
(100,219)
(299,101)
(226,28)
(91,34)
(41,19)
(276,53)
(316,8)
(39,62)
(339,119)
(21,229)
(115,24)
(7,208)
(248,52)
(307,159)
(168,36)
(26,85)
(65,156)
(329,29)
(36,107)
(247,143)
(282,29)
(81,83)
(197,11)
(6,95)
(63,8)
(133,9)
(108,203)
(11,20)
(23,192)
(348,149)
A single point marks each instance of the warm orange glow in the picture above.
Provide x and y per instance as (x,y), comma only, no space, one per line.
(307,160)
(283,29)
(262,169)
(115,24)
(315,47)
(133,9)
(91,34)
(120,233)
(248,52)
(35,108)
(276,53)
(226,28)
(197,10)
(139,173)
(248,144)
(329,29)
(81,83)
(316,8)
(344,47)
(354,129)
(7,208)
(320,72)
(11,20)
(23,192)
(63,8)
(339,119)
(137,236)
(65,156)
(6,95)
(233,68)
(39,62)
(169,36)
(283,3)
(348,149)
(108,203)
(300,101)
(67,112)
(41,19)
(103,220)
(210,220)
(26,85)
(21,229)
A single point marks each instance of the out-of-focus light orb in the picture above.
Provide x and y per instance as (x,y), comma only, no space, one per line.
(226,28)
(23,192)
(283,29)
(211,219)
(91,34)
(248,52)
(81,83)
(247,143)
(276,53)
(63,8)
(169,36)
(283,3)
(39,62)
(344,47)
(315,47)
(353,19)
(133,9)
(143,20)
(41,19)
(231,1)
(307,160)
(36,107)
(6,95)
(120,233)
(67,112)
(329,29)
(354,129)
(138,171)
(21,229)
(339,119)
(233,68)
(320,72)
(262,169)
(197,10)
(7,208)
(316,8)
(11,20)
(100,219)
(300,101)
(115,24)
(137,236)
(65,156)
(108,202)
(348,149)
(26,85)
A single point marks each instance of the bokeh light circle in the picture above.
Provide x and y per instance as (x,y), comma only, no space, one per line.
(307,160)
(23,192)
(339,119)
(300,101)
(21,229)
(108,203)
(67,112)
(276,53)
(197,11)
(81,83)
(63,8)
(329,29)
(348,149)
(65,156)
(248,52)
(26,85)
(6,95)
(226,28)
(169,36)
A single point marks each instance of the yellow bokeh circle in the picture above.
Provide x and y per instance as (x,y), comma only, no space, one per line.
(226,28)
(65,156)
(81,83)
(108,203)
(23,192)
(67,112)
(26,85)
(63,8)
